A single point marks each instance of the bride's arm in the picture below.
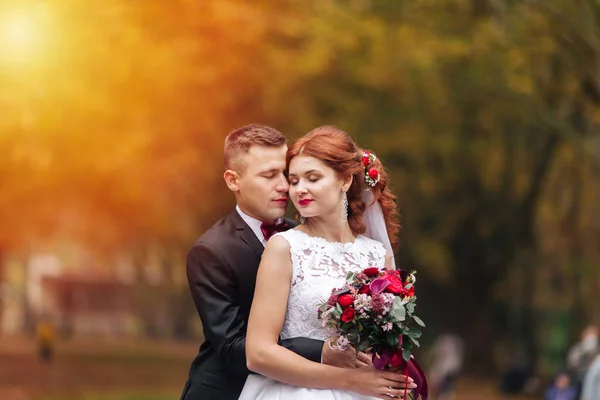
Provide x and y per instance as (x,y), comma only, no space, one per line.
(263,354)
(267,358)
(388,261)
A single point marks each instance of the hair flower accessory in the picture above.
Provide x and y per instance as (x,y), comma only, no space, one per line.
(368,158)
(371,174)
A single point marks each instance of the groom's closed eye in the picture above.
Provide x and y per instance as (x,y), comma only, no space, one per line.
(270,174)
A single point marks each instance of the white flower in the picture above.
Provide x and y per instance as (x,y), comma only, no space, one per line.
(362,304)
(387,327)
(342,343)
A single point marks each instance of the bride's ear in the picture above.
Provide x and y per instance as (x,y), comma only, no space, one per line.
(346,183)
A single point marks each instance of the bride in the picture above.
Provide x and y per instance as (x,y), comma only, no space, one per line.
(328,184)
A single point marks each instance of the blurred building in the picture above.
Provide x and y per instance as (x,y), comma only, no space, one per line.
(80,301)
(88,305)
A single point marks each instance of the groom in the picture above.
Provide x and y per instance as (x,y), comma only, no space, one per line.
(222,266)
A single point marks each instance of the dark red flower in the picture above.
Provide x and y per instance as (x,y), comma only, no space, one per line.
(411,292)
(345,300)
(348,314)
(364,289)
(332,300)
(371,272)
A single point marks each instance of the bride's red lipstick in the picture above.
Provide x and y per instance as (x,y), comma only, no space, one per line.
(304,202)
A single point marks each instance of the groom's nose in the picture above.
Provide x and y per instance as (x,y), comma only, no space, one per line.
(282,184)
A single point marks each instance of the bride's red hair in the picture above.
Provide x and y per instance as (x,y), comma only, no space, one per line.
(338,150)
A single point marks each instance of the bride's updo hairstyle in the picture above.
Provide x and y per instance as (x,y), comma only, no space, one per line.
(337,150)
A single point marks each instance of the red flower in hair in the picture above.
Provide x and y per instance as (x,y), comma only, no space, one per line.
(373,173)
(366,158)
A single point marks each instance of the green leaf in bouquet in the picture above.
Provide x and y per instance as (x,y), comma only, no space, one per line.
(398,311)
(342,291)
(338,308)
(347,325)
(363,345)
(409,286)
(324,307)
(360,327)
(419,321)
(413,333)
(415,341)
(353,337)
(392,339)
(350,276)
(410,307)
(406,354)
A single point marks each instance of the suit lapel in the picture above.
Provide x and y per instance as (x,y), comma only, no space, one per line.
(246,234)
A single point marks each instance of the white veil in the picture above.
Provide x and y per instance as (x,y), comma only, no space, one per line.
(375,222)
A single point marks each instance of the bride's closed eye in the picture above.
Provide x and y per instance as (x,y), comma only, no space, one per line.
(295,181)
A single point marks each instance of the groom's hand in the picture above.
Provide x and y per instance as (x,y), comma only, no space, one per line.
(344,359)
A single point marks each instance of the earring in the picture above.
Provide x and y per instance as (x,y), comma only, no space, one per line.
(344,208)
(301,219)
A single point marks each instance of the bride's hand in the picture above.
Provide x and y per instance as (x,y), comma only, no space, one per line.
(380,384)
(344,359)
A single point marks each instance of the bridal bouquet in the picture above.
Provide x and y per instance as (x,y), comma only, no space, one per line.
(375,312)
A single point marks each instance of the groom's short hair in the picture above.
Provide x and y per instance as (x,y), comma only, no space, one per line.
(239,141)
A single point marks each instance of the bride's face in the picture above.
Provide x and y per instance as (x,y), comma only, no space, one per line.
(315,188)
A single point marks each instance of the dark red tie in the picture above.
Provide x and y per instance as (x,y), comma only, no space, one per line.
(269,230)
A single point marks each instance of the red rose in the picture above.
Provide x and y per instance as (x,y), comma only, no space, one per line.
(371,272)
(348,314)
(411,292)
(345,300)
(365,158)
(373,173)
(365,289)
(395,286)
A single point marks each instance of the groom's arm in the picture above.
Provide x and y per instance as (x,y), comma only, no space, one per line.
(216,299)
(213,290)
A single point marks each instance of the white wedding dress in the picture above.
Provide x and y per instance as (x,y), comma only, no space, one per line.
(318,267)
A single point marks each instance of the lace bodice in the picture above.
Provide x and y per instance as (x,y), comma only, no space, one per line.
(318,267)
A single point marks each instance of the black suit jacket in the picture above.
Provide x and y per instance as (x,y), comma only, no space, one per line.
(221,270)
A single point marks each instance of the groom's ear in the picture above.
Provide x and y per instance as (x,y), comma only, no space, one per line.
(231,180)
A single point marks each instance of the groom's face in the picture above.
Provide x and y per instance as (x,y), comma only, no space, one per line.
(262,184)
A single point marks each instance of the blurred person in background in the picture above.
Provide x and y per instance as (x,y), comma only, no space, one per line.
(446,354)
(45,339)
(591,381)
(561,388)
(582,353)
